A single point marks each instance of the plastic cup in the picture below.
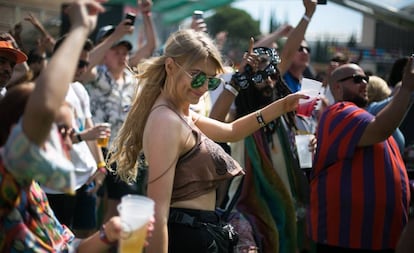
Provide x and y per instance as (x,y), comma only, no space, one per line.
(311,88)
(135,212)
(302,145)
(103,142)
(306,108)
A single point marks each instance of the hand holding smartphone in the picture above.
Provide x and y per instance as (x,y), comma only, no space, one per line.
(322,2)
(198,14)
(130,17)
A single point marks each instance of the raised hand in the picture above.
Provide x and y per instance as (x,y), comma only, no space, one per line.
(291,101)
(310,7)
(144,6)
(249,58)
(284,30)
(84,13)
(33,20)
(408,76)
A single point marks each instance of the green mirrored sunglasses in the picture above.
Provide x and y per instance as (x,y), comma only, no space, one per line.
(198,79)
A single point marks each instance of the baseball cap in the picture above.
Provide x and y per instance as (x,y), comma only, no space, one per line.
(6,46)
(105,31)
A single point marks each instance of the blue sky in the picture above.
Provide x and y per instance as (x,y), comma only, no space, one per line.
(329,21)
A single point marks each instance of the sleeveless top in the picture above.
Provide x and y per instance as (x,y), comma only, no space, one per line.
(202,168)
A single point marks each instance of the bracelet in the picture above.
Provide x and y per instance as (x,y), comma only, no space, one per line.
(79,137)
(306,18)
(103,170)
(103,237)
(230,88)
(260,119)
(101,164)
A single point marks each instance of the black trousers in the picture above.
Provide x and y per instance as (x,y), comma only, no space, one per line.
(184,236)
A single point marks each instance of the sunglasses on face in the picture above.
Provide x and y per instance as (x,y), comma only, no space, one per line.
(198,79)
(304,49)
(82,64)
(356,78)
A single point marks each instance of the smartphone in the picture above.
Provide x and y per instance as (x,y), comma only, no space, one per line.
(131,17)
(322,1)
(197,14)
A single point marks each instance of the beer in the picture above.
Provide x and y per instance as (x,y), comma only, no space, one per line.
(133,242)
(103,142)
(134,225)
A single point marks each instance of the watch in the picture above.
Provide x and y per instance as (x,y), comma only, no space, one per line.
(78,137)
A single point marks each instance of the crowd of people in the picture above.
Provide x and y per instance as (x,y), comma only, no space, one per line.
(217,142)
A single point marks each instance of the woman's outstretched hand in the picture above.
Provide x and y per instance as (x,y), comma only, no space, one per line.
(291,101)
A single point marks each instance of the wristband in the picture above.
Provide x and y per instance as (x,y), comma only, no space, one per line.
(306,18)
(103,237)
(230,88)
(101,164)
(260,119)
(79,137)
(103,170)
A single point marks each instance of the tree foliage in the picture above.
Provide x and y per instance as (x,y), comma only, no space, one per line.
(238,24)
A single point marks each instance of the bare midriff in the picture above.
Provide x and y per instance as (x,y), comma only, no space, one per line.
(203,202)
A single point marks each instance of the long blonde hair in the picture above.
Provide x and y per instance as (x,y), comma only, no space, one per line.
(187,46)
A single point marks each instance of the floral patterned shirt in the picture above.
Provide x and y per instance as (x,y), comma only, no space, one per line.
(27,223)
(110,101)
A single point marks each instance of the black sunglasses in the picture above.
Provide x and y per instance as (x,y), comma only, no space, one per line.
(82,64)
(356,78)
(302,49)
(198,79)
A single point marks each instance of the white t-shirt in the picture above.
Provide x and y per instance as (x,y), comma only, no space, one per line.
(78,98)
(81,156)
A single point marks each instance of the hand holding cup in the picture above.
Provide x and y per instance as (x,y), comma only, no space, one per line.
(136,214)
(104,134)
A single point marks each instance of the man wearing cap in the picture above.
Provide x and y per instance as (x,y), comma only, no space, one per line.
(9,57)
(359,184)
(112,86)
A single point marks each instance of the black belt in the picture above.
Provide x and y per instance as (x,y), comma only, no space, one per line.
(192,218)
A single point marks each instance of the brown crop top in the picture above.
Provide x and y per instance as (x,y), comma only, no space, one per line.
(202,168)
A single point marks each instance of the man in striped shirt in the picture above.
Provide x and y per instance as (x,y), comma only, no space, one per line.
(359,185)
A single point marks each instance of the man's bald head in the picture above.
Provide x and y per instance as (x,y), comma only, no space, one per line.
(344,71)
(349,82)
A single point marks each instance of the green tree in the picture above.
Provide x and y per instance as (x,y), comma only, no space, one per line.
(274,23)
(352,42)
(238,24)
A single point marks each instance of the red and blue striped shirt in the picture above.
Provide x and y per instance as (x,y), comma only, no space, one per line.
(359,195)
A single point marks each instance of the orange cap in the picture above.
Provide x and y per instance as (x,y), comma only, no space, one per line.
(6,46)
